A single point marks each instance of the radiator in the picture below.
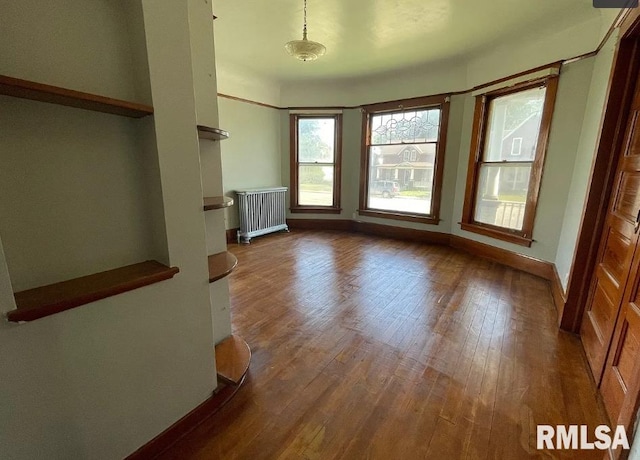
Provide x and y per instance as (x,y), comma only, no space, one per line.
(262,211)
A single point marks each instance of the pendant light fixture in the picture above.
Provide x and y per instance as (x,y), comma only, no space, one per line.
(304,49)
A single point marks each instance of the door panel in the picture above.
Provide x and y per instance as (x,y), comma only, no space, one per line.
(627,201)
(603,310)
(621,374)
(615,255)
(599,320)
(616,249)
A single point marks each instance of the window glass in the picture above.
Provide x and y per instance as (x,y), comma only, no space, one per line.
(401,177)
(513,116)
(502,195)
(315,163)
(315,185)
(405,127)
(316,141)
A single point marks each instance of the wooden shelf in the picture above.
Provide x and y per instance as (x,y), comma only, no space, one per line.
(213,134)
(220,265)
(217,202)
(233,356)
(55,298)
(25,89)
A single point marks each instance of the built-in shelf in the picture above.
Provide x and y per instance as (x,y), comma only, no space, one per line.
(55,298)
(25,89)
(217,202)
(220,265)
(233,356)
(213,134)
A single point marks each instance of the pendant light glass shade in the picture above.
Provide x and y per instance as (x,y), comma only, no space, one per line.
(305,50)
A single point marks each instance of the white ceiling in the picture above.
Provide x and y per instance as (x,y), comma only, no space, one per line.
(365,37)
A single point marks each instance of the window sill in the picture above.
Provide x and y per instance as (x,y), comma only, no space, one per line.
(497,234)
(315,210)
(399,216)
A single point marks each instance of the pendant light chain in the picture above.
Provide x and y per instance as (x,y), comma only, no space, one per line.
(304,30)
(305,50)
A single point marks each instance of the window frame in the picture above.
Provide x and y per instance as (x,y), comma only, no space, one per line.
(522,237)
(294,164)
(439,101)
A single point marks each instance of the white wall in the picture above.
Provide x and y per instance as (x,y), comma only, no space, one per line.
(100,380)
(351,147)
(434,78)
(79,183)
(75,189)
(93,55)
(251,155)
(587,145)
(235,81)
(532,48)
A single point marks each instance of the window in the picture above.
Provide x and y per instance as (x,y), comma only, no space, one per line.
(509,141)
(315,163)
(403,158)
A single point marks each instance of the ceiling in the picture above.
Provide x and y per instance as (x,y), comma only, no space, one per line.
(365,37)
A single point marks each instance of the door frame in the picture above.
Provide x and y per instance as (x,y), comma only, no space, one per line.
(603,169)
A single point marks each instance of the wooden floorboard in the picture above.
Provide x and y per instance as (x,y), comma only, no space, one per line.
(371,348)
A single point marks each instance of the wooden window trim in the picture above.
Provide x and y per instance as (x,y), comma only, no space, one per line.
(523,237)
(441,101)
(398,215)
(293,164)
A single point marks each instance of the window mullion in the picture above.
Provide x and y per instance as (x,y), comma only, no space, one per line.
(306,163)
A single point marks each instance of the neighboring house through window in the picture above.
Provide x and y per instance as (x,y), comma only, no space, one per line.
(516,146)
(316,142)
(403,158)
(509,141)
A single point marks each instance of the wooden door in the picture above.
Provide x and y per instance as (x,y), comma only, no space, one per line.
(620,386)
(616,251)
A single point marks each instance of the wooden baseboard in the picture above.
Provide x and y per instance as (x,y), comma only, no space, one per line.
(512,259)
(232,235)
(321,224)
(388,231)
(558,294)
(233,356)
(527,264)
(401,233)
(186,424)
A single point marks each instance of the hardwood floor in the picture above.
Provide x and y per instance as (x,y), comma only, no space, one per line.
(365,347)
